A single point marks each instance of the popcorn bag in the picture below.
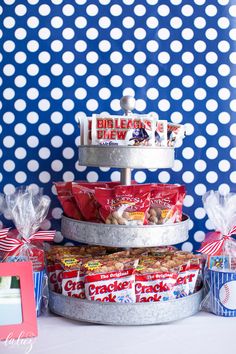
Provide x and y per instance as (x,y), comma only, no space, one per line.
(27,210)
(220,250)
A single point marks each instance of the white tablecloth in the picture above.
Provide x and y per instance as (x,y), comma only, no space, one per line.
(203,333)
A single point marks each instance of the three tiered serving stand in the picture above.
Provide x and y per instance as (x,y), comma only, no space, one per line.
(124,236)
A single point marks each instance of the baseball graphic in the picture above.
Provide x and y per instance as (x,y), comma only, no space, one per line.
(227,295)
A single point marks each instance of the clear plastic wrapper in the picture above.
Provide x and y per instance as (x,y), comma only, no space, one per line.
(28,209)
(219,248)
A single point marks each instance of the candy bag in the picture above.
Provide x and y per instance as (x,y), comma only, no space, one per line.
(175,132)
(219,248)
(124,205)
(161,133)
(67,200)
(166,204)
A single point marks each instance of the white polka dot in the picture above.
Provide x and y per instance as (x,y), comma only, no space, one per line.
(232,10)
(224,141)
(92,176)
(164,57)
(211,177)
(9,189)
(116,33)
(163,33)
(164,177)
(200,141)
(140,177)
(8,93)
(212,105)
(223,46)
(233,177)
(224,70)
(188,81)
(163,81)
(33,165)
(20,33)
(20,129)
(115,176)
(152,93)
(44,57)
(200,213)
(92,33)
(176,46)
(44,81)
(44,10)
(224,165)
(56,214)
(68,153)
(104,22)
(80,22)
(188,105)
(20,177)
(44,105)
(44,129)
(200,93)
(163,10)
(56,46)
(212,129)
(224,117)
(20,105)
(56,141)
(176,22)
(44,33)
(116,81)
(224,189)
(44,153)
(187,247)
(200,165)
(44,177)
(188,177)
(224,94)
(140,33)
(152,46)
(199,22)
(152,22)
(20,10)
(116,10)
(211,57)
(32,117)
(211,10)
(56,22)
(128,46)
(188,153)
(9,165)
(32,93)
(32,69)
(104,69)
(9,70)
(92,105)
(164,105)
(104,46)
(116,57)
(152,70)
(211,153)
(200,189)
(9,22)
(68,10)
(187,10)
(211,81)
(187,34)
(199,236)
(211,34)
(68,57)
(8,117)
(140,57)
(32,141)
(178,166)
(139,10)
(223,22)
(188,201)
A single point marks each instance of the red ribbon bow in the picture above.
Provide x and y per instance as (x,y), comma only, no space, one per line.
(212,248)
(9,244)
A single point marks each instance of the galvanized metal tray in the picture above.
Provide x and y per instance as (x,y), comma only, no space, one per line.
(125,314)
(125,236)
(126,156)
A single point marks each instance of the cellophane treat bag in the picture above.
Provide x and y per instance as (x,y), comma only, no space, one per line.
(219,248)
(166,204)
(28,209)
(123,130)
(124,205)
(67,200)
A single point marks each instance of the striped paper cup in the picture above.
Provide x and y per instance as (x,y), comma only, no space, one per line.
(38,290)
(222,292)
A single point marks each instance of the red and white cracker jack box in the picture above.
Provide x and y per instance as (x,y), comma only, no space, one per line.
(155,287)
(73,284)
(117,286)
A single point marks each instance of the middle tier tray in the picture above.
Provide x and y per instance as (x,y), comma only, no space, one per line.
(125,236)
(126,156)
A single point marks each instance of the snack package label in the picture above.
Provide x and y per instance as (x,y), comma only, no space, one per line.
(111,287)
(123,130)
(186,282)
(155,287)
(161,133)
(73,284)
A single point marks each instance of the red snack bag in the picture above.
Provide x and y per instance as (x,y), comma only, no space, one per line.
(124,205)
(110,280)
(87,204)
(67,200)
(166,204)
(73,284)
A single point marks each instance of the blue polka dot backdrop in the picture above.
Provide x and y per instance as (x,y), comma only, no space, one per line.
(62,60)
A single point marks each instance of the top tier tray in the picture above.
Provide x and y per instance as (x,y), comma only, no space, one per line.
(126,156)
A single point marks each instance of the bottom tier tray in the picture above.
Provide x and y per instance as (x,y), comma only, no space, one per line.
(124,314)
(125,236)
